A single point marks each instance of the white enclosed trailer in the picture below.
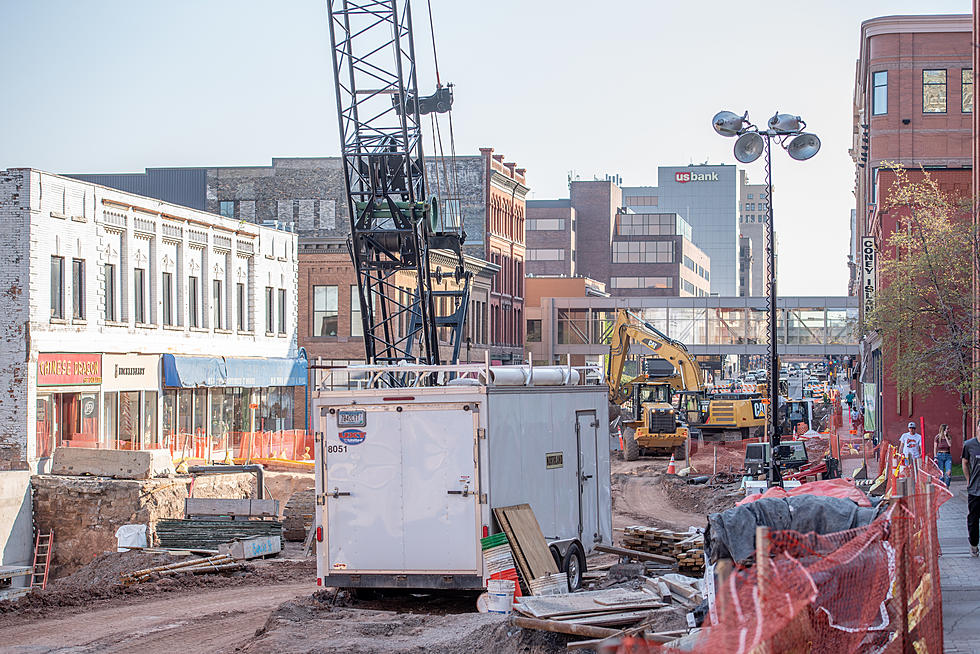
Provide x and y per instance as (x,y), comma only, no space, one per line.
(407,477)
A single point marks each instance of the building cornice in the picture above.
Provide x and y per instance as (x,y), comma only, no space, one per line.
(508,184)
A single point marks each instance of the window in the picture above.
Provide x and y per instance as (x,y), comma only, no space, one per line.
(57,287)
(544,255)
(227,208)
(167,290)
(643,252)
(270,323)
(282,311)
(325,310)
(641,200)
(356,326)
(110,291)
(139,294)
(879,93)
(874,185)
(646,224)
(240,307)
(78,289)
(545,224)
(749,196)
(966,90)
(688,287)
(933,91)
(193,301)
(533,331)
(216,304)
(642,282)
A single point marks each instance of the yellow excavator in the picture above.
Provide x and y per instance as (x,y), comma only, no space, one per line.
(666,408)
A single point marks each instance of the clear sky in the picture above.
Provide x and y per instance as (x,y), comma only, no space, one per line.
(588,87)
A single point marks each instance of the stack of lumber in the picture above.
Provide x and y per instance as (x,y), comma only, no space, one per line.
(208,534)
(530,549)
(600,608)
(686,547)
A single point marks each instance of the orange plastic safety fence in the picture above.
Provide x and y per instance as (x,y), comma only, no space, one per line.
(869,589)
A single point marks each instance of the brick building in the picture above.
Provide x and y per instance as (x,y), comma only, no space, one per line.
(913,107)
(634,251)
(752,205)
(543,331)
(307,195)
(126,321)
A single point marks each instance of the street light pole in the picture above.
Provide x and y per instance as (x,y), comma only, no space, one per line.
(772,414)
(751,144)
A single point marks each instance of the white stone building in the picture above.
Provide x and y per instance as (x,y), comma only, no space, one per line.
(125,320)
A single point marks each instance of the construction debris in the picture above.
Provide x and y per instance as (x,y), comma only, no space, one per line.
(219,563)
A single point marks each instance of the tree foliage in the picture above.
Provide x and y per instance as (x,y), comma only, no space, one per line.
(924,308)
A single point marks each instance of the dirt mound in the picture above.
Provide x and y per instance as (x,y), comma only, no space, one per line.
(314,624)
(699,498)
(99,583)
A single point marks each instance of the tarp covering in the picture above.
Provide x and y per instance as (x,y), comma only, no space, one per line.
(731,533)
(828,487)
(191,372)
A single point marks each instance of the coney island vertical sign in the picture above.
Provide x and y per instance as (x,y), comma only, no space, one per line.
(869,268)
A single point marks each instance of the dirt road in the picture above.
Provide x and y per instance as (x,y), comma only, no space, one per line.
(208,621)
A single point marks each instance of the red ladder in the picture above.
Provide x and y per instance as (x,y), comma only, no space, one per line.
(42,559)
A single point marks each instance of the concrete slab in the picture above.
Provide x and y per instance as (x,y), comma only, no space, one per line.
(119,464)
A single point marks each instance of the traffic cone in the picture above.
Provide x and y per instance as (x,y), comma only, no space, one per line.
(619,430)
(671,470)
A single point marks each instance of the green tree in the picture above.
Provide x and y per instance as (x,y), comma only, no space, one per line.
(925,307)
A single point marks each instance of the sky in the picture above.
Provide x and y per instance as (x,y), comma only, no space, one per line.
(570,87)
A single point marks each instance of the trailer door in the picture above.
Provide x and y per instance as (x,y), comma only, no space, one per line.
(440,488)
(363,488)
(586,433)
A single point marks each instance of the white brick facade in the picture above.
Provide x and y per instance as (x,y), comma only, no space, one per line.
(44,215)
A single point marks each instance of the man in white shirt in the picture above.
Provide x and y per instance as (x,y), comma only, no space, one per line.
(911,443)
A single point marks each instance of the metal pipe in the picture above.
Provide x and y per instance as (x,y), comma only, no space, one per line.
(257,468)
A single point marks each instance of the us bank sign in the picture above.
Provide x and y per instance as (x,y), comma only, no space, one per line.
(687,176)
(869,268)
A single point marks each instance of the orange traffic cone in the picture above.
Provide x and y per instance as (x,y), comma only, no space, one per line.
(671,470)
(619,431)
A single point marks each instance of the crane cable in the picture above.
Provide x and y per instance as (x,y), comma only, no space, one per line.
(451,188)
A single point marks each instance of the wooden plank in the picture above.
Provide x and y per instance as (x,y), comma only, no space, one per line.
(519,559)
(611,619)
(530,539)
(548,606)
(633,554)
(555,626)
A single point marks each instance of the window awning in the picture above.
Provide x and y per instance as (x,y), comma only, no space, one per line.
(192,372)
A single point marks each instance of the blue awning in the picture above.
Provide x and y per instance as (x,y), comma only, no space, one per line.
(191,372)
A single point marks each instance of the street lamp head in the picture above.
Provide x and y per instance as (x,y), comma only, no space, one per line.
(749,147)
(786,123)
(803,147)
(727,123)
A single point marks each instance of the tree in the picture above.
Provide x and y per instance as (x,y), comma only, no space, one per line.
(925,309)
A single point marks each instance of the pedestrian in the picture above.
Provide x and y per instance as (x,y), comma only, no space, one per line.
(849,398)
(911,443)
(855,417)
(970,460)
(944,457)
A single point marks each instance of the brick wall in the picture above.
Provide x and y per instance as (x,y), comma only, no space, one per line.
(15,235)
(549,239)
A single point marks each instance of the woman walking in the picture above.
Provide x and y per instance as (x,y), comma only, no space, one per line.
(944,460)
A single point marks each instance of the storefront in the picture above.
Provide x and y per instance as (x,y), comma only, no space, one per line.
(68,389)
(130,397)
(223,397)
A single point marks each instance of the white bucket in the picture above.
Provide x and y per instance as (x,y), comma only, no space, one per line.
(500,595)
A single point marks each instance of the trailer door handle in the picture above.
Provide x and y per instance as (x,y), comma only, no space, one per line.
(465,492)
(337,493)
(586,477)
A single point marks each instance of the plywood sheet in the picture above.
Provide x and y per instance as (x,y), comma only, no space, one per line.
(612,600)
(525,534)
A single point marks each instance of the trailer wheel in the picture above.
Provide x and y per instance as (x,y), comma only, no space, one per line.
(556,555)
(631,449)
(574,565)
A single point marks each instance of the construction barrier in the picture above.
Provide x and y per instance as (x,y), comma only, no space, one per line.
(294,445)
(871,589)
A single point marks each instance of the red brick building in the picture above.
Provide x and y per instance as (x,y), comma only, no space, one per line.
(913,106)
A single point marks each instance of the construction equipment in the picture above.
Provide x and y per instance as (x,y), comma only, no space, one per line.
(667,407)
(394,221)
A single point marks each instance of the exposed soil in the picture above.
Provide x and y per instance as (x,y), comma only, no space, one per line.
(315,624)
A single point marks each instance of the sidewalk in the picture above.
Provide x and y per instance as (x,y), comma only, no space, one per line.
(959,574)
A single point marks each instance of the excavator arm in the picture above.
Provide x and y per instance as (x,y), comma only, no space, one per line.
(630,328)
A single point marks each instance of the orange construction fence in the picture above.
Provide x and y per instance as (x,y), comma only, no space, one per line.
(870,589)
